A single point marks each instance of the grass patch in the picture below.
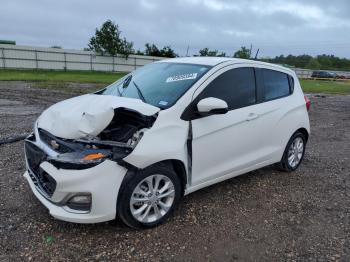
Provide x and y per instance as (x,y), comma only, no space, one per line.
(59,76)
(59,80)
(328,87)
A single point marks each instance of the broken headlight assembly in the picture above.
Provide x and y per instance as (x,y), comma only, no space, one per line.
(115,142)
(90,152)
(80,159)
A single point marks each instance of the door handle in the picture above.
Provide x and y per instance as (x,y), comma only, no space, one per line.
(252,116)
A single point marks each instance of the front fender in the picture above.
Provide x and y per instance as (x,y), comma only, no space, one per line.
(167,139)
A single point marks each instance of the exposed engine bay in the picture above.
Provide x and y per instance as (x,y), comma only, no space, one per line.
(116,141)
(127,126)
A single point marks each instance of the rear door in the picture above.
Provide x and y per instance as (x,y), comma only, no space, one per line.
(274,110)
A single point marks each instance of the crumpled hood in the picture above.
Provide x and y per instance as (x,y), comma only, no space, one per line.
(89,114)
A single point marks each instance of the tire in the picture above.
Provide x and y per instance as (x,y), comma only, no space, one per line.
(134,187)
(286,164)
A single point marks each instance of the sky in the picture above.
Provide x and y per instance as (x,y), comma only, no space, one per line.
(274,26)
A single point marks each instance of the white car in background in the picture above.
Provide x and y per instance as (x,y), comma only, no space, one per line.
(133,149)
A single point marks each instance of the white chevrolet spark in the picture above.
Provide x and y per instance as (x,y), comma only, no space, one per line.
(133,149)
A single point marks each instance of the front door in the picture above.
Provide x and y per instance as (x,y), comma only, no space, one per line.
(222,144)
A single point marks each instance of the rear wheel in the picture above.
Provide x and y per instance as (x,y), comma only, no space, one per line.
(294,153)
(149,196)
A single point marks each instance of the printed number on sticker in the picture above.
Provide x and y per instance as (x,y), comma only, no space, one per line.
(181,77)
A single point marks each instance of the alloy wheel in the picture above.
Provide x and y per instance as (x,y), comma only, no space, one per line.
(152,198)
(295,152)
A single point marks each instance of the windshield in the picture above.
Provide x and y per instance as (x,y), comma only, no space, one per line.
(158,84)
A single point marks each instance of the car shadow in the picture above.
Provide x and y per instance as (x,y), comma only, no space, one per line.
(200,197)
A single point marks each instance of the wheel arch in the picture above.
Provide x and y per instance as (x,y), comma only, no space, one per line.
(283,166)
(177,165)
(304,132)
(180,169)
(174,168)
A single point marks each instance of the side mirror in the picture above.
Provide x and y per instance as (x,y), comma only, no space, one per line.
(212,106)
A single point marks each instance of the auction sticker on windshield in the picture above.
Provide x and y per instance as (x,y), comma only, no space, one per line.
(181,77)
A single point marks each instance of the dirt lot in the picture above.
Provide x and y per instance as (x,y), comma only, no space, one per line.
(265,215)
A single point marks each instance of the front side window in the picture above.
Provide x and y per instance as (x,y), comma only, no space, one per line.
(235,86)
(276,84)
(158,84)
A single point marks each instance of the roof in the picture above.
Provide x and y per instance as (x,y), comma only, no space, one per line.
(202,60)
(213,61)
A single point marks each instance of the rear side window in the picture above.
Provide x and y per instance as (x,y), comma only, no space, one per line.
(236,87)
(276,84)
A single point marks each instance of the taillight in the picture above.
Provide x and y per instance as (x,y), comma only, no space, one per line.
(307,103)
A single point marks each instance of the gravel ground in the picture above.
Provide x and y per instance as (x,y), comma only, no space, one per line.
(265,215)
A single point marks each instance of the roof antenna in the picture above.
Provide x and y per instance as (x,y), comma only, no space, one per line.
(256,55)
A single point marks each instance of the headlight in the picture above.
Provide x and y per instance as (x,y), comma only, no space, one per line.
(80,160)
(94,156)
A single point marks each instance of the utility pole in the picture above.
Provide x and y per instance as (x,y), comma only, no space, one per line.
(188,48)
(256,55)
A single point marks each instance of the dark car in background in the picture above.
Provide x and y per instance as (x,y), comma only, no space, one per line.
(323,74)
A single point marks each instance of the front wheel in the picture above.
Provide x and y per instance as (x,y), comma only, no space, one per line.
(149,196)
(294,153)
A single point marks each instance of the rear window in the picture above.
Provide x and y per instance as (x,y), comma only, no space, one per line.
(276,84)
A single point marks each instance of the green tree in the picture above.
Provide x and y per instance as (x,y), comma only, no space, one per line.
(139,52)
(313,64)
(204,52)
(153,50)
(108,40)
(243,53)
(326,61)
(167,52)
(329,62)
(207,52)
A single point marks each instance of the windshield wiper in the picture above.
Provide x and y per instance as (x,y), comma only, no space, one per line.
(126,81)
(125,85)
(139,92)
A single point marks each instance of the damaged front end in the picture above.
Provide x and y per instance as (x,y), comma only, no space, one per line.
(116,141)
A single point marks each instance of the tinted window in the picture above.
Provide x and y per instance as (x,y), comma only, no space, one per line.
(291,84)
(236,87)
(276,84)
